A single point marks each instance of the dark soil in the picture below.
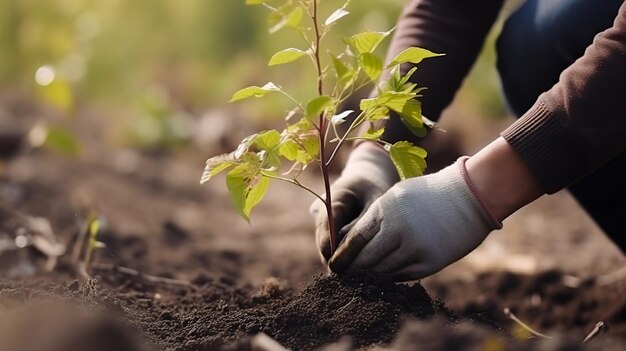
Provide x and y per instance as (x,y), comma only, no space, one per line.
(369,309)
(551,301)
(181,271)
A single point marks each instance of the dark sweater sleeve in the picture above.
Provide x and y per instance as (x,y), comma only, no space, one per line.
(452,27)
(579,124)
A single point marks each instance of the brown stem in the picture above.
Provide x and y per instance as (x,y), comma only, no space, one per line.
(323,126)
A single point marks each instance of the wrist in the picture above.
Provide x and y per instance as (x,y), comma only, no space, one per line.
(501,180)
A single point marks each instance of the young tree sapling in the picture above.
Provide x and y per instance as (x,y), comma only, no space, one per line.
(311,127)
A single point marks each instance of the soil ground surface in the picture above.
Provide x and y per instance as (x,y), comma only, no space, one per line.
(181,271)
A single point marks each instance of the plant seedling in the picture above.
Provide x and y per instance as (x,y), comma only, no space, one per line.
(86,244)
(311,126)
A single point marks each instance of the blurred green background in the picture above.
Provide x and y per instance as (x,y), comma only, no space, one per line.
(153,67)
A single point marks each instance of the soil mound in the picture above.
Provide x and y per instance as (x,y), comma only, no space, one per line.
(368,308)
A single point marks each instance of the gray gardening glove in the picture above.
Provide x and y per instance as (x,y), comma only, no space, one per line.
(418,227)
(366,176)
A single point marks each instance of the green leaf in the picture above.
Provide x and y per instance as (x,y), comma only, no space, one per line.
(256,193)
(289,150)
(311,146)
(243,147)
(404,104)
(318,105)
(345,73)
(378,113)
(267,140)
(336,16)
(254,91)
(399,84)
(299,148)
(367,41)
(417,131)
(371,64)
(236,182)
(373,134)
(293,151)
(368,103)
(413,55)
(215,165)
(285,16)
(408,76)
(410,111)
(340,68)
(408,159)
(295,17)
(286,56)
(303,125)
(246,186)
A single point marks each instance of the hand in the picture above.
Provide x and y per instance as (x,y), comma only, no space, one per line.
(418,227)
(368,173)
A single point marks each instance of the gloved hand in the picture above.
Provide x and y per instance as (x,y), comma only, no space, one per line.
(368,173)
(418,227)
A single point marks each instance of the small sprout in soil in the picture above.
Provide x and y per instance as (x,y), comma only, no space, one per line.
(311,135)
(86,244)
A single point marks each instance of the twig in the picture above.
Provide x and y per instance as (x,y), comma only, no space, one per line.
(510,314)
(597,330)
(346,305)
(134,273)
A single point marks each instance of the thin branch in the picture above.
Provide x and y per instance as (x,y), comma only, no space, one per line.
(293,100)
(294,182)
(357,121)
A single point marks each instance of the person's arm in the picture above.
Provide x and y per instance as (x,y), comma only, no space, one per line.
(451,27)
(423,224)
(579,124)
(456,28)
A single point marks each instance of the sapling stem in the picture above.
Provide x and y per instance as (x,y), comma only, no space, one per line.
(323,128)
